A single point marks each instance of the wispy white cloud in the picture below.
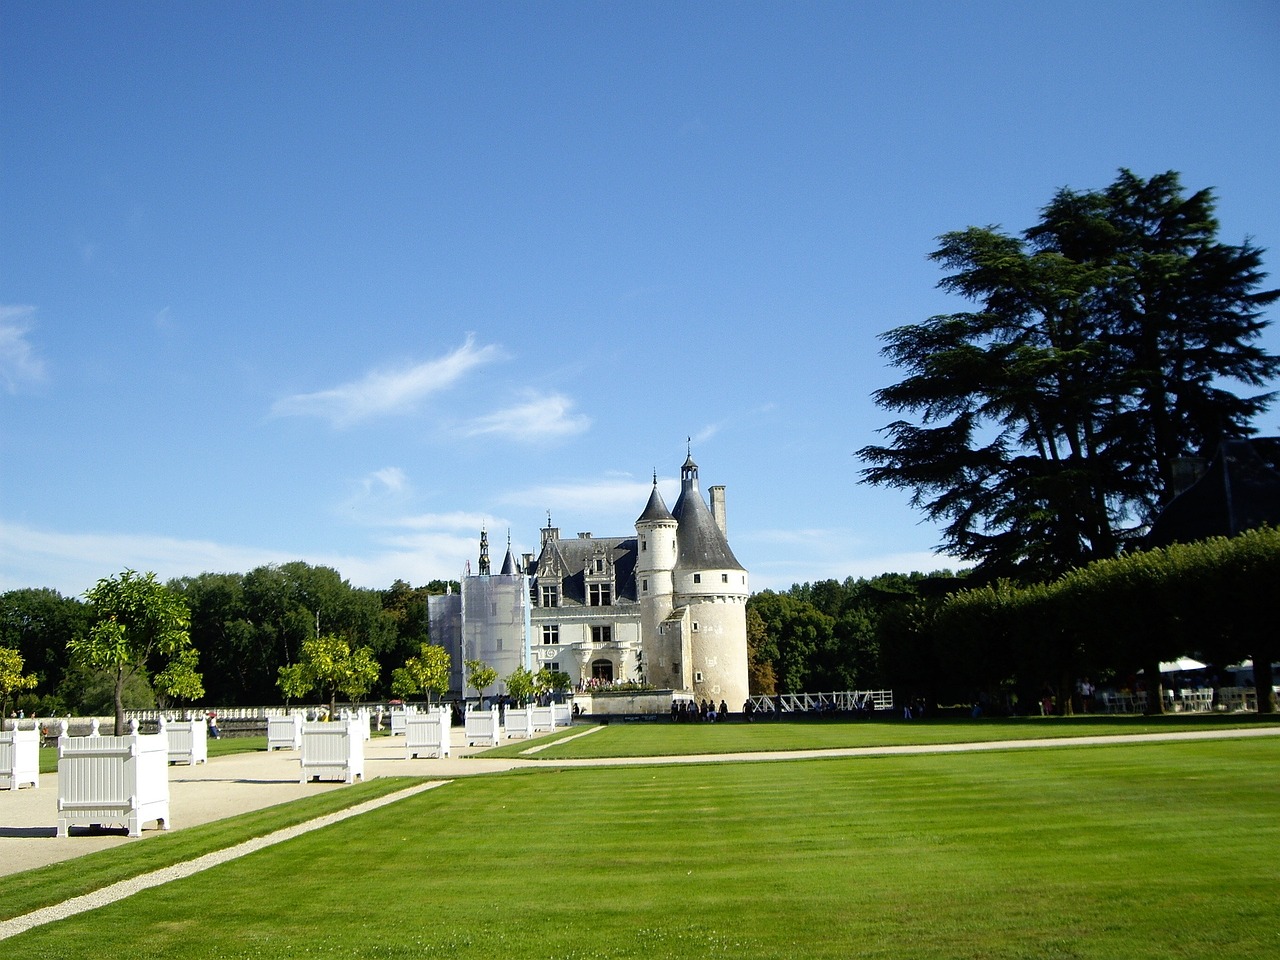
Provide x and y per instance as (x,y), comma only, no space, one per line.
(19,363)
(390,391)
(455,521)
(539,417)
(588,497)
(827,554)
(73,562)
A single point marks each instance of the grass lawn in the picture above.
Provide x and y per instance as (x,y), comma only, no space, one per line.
(33,889)
(1125,851)
(680,739)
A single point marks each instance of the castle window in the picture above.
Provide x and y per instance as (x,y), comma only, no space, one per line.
(724,578)
(602,634)
(697,578)
(551,633)
(550,595)
(644,586)
(644,544)
(499,644)
(697,676)
(695,625)
(599,595)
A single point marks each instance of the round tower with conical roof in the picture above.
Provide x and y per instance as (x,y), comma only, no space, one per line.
(656,532)
(709,599)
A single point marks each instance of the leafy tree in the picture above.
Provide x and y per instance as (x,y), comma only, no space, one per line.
(138,621)
(761,652)
(330,665)
(547,681)
(1100,353)
(802,634)
(520,685)
(480,676)
(12,679)
(428,672)
(180,680)
(40,624)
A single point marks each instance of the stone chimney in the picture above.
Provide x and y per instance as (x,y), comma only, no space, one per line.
(717,508)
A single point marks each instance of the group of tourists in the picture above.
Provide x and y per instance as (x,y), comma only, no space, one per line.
(687,711)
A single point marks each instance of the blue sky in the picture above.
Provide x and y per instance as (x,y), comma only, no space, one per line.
(343,282)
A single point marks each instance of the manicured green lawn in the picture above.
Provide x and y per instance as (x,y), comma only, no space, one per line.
(680,739)
(1118,851)
(24,892)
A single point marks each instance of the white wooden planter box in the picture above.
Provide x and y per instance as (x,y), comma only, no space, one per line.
(284,733)
(561,714)
(518,722)
(544,718)
(332,751)
(398,717)
(110,780)
(188,740)
(19,758)
(427,734)
(483,727)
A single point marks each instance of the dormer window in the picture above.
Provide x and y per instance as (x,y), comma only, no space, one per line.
(599,594)
(549,595)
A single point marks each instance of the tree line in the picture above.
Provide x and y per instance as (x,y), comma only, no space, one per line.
(954,639)
(244,629)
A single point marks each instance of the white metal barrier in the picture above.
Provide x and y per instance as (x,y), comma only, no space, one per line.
(19,758)
(333,751)
(428,733)
(113,780)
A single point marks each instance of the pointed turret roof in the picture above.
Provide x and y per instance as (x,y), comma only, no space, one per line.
(655,511)
(509,568)
(701,543)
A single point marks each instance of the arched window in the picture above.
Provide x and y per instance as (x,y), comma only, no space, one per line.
(602,670)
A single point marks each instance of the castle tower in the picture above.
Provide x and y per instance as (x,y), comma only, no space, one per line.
(656,531)
(710,592)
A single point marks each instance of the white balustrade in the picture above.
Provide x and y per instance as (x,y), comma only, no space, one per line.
(19,758)
(110,780)
(428,734)
(332,751)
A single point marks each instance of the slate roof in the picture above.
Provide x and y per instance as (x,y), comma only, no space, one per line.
(1240,490)
(574,556)
(655,509)
(701,544)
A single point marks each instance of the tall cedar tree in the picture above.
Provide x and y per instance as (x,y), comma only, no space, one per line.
(1051,420)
